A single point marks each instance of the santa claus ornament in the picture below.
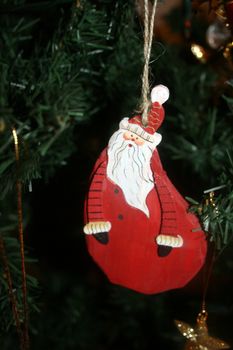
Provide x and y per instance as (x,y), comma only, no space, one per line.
(138,228)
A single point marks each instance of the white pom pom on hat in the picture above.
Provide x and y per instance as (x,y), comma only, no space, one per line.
(160,94)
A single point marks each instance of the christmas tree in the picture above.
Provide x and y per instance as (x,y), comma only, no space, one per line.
(70,71)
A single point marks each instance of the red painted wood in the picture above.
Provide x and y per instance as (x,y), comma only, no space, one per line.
(130,258)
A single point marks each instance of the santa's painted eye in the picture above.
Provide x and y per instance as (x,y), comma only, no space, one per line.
(139,141)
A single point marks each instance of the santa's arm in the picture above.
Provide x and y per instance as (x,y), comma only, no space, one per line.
(95,221)
(169,232)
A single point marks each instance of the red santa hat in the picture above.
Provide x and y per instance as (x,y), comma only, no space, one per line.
(159,95)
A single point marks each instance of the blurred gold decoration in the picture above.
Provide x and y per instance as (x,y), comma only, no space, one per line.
(2,125)
(221,13)
(227,53)
(211,201)
(12,296)
(78,4)
(199,52)
(224,12)
(198,337)
(219,16)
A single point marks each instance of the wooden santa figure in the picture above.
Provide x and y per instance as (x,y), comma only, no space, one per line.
(138,228)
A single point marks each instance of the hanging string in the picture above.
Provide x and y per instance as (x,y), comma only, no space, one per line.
(148,38)
(21,240)
(207,271)
(11,293)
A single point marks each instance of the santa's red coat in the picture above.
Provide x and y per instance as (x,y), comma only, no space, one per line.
(130,259)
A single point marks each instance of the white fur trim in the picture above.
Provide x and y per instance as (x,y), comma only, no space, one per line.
(170,241)
(160,93)
(136,129)
(97,227)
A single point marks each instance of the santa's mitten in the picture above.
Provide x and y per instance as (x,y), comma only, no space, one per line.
(166,243)
(99,230)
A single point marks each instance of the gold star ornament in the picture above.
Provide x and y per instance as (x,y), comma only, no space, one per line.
(198,337)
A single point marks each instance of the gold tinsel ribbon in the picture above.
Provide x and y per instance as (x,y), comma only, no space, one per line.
(12,297)
(25,345)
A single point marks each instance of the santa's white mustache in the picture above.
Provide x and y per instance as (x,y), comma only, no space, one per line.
(135,152)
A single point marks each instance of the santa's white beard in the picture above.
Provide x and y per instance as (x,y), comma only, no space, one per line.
(129,168)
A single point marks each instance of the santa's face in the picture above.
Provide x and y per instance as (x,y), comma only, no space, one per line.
(128,166)
(131,136)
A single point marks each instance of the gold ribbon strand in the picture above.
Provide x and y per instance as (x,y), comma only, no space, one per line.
(21,240)
(211,257)
(11,293)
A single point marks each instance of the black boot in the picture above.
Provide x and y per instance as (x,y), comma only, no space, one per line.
(163,250)
(102,237)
